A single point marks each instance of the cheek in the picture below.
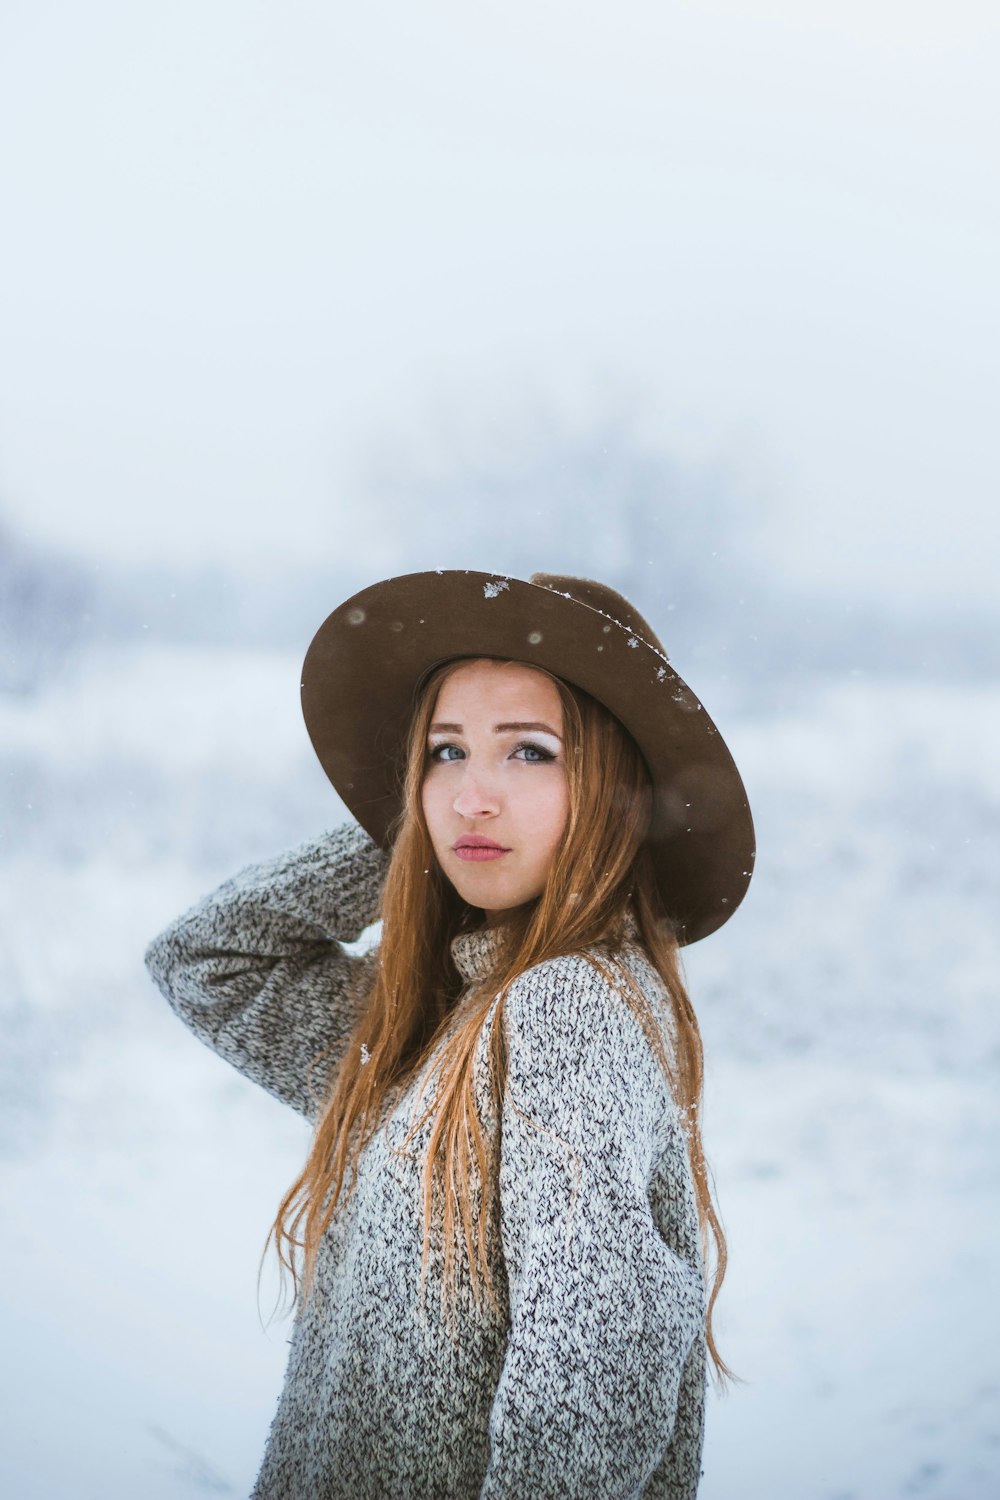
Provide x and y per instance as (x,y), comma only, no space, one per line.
(560,821)
(550,814)
(428,806)
(437,797)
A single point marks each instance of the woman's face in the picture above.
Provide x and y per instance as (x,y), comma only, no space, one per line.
(494,794)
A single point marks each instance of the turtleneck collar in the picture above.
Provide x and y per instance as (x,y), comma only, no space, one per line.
(476,952)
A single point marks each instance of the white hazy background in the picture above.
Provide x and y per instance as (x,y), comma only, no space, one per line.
(701,300)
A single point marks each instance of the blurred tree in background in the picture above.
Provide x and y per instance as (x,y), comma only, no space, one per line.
(46,600)
(687,543)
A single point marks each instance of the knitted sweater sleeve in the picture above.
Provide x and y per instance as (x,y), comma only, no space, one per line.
(603,1314)
(256,969)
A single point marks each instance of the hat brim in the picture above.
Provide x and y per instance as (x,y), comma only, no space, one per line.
(364,665)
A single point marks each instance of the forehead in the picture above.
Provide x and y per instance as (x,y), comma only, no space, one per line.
(502,689)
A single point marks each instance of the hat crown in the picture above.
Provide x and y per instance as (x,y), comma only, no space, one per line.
(604,599)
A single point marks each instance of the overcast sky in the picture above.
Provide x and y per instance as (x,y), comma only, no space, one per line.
(248,249)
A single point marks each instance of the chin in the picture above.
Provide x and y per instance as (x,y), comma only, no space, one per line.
(480,896)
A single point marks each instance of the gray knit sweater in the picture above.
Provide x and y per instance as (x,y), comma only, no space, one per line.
(591,1383)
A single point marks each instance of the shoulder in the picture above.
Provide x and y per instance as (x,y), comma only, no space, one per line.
(590,1011)
(575,978)
(591,983)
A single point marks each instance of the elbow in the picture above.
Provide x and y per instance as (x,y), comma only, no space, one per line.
(163,957)
(157,965)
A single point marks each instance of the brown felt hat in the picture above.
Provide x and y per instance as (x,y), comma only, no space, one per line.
(368,659)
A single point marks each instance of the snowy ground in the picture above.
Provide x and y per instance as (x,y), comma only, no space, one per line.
(853,1114)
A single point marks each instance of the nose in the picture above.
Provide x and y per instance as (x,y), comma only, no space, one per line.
(476,798)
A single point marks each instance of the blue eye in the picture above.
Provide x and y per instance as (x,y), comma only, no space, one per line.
(440,752)
(533,754)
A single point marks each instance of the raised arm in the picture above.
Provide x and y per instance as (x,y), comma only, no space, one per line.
(256,969)
(606,1319)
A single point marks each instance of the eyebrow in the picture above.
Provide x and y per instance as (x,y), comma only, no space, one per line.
(498,729)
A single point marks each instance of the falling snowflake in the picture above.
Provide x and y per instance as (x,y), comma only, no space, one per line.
(633,641)
(661,673)
(494,587)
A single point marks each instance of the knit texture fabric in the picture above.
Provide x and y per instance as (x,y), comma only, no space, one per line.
(591,1380)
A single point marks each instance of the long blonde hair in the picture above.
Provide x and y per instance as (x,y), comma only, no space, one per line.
(412,986)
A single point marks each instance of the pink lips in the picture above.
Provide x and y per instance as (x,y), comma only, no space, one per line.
(473,847)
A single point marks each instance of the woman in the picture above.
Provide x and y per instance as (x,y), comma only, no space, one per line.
(497,1240)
